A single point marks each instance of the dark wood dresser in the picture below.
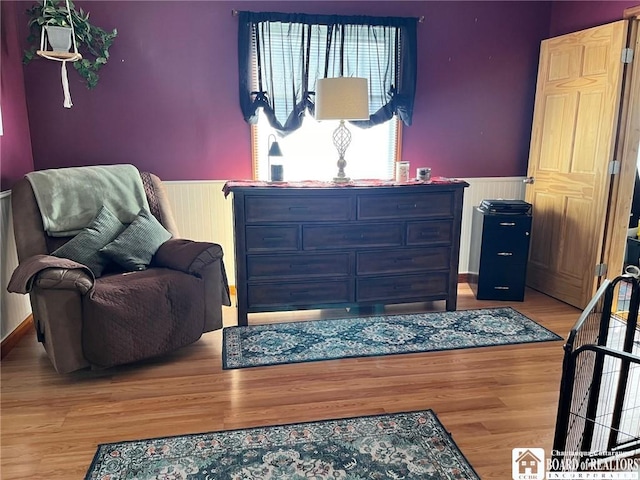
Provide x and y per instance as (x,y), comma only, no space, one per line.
(317,245)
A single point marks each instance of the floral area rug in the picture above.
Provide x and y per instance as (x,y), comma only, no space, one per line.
(410,446)
(258,345)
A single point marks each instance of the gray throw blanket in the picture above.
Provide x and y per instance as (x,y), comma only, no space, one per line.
(70,198)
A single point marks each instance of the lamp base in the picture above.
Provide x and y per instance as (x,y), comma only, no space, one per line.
(341,179)
(341,140)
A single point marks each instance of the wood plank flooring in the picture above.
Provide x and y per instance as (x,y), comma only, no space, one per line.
(491,399)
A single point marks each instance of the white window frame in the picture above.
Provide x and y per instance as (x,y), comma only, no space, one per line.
(315,157)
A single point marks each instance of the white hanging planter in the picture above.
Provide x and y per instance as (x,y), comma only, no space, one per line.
(59,38)
(55,43)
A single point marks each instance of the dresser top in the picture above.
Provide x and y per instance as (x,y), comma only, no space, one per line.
(232,185)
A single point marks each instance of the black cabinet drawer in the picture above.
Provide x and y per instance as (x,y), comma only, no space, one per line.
(261,239)
(413,288)
(262,209)
(407,260)
(502,280)
(502,233)
(323,237)
(287,294)
(299,265)
(409,205)
(429,232)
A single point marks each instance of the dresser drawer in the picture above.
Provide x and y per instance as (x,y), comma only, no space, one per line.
(406,260)
(262,209)
(429,232)
(410,205)
(298,265)
(323,237)
(402,288)
(300,293)
(261,239)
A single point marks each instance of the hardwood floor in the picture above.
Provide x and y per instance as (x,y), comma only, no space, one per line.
(490,399)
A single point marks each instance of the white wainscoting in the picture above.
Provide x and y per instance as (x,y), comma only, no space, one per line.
(15,308)
(204,214)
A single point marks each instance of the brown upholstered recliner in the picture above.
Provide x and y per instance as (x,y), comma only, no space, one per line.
(122,316)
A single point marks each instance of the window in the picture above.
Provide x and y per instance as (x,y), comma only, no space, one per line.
(280,58)
(309,153)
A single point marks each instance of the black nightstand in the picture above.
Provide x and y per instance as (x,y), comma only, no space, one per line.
(499,252)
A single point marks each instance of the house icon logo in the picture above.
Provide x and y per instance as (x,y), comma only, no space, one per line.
(527,463)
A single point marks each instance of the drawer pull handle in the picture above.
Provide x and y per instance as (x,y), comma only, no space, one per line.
(507,224)
(300,292)
(298,208)
(271,239)
(353,237)
(298,265)
(407,206)
(505,254)
(501,288)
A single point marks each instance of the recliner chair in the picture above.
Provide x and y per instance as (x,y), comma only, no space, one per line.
(121,316)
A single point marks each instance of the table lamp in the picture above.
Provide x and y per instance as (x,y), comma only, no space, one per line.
(342,98)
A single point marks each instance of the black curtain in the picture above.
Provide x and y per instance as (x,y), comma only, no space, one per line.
(293,50)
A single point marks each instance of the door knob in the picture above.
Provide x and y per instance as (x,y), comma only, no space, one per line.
(529,180)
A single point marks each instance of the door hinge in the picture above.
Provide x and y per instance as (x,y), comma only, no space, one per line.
(627,55)
(614,167)
(601,269)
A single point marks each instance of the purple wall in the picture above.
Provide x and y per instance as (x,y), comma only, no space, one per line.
(15,145)
(170,105)
(572,16)
(168,102)
(477,75)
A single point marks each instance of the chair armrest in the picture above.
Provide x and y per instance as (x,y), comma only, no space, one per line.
(203,260)
(49,272)
(64,279)
(187,256)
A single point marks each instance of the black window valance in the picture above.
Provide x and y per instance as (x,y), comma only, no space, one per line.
(291,51)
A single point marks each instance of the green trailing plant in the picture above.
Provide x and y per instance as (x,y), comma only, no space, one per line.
(93,42)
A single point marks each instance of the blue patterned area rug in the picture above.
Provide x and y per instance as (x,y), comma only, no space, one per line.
(403,445)
(295,342)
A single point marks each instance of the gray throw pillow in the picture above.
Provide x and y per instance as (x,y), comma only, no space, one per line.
(134,248)
(84,247)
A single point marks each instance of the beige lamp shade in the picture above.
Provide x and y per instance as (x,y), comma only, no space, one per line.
(342,98)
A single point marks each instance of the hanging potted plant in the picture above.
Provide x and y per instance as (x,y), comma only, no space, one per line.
(92,42)
(59,37)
